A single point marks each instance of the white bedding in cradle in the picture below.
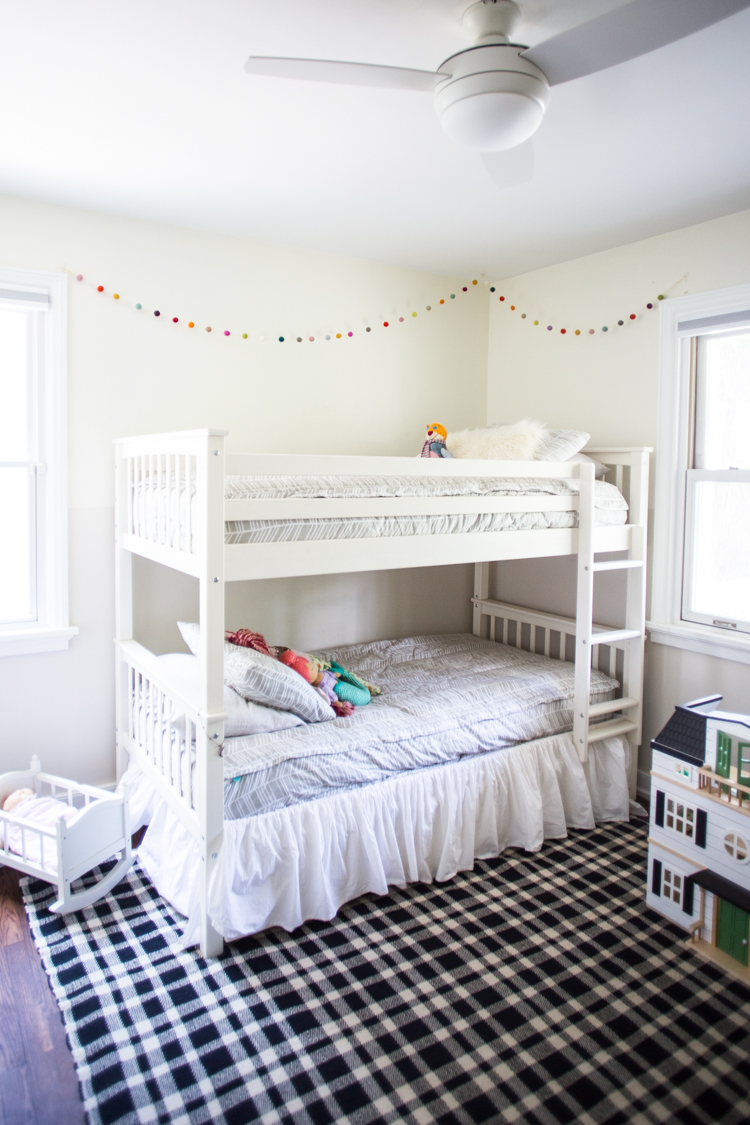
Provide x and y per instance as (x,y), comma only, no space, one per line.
(37,812)
(150,505)
(303,862)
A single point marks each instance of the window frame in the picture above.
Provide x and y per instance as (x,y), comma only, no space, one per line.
(674,428)
(51,631)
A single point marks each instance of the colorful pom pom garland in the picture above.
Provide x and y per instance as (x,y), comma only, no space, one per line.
(605,328)
(349,333)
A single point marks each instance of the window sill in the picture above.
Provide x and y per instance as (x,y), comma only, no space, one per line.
(35,638)
(703,639)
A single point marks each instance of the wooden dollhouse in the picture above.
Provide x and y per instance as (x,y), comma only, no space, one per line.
(699,840)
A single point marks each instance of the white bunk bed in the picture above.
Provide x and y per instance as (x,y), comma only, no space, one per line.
(171,507)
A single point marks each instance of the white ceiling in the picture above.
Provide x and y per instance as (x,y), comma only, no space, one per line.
(143,109)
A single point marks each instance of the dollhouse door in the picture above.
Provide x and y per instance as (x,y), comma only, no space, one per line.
(733,931)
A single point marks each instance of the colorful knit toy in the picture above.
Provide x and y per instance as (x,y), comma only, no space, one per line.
(247,639)
(435,445)
(343,690)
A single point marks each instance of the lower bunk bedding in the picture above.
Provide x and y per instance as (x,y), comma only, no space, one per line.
(465,753)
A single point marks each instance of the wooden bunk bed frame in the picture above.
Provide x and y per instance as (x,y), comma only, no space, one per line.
(188,536)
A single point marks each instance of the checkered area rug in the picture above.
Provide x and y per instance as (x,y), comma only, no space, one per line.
(536,988)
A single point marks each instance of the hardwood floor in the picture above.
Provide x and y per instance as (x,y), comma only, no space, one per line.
(38,1084)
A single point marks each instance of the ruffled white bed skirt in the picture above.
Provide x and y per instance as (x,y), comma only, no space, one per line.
(305,861)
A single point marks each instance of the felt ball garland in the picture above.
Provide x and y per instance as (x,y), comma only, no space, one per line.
(349,333)
(605,328)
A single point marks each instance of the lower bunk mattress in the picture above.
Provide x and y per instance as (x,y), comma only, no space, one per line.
(462,756)
(445,697)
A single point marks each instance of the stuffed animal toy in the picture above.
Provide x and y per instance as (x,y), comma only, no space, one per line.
(16,798)
(247,639)
(324,681)
(343,690)
(435,445)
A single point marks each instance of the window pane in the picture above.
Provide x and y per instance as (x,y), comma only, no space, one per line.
(721,551)
(14,390)
(17,566)
(723,402)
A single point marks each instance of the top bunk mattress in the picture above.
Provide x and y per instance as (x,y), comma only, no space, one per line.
(150,505)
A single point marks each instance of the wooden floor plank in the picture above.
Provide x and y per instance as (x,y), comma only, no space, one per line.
(38,1084)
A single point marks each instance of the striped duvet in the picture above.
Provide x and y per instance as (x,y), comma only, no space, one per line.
(445,698)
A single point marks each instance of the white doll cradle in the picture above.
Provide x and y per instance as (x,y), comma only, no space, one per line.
(99,829)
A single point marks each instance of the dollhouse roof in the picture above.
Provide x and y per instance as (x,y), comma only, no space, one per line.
(684,736)
(724,888)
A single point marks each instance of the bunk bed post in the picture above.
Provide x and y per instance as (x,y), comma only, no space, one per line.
(209,529)
(481,593)
(584,610)
(635,612)
(123,602)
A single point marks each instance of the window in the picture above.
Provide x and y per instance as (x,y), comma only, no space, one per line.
(701,597)
(723,754)
(33,509)
(671,886)
(736,846)
(680,818)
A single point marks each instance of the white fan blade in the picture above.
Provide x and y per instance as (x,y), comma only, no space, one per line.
(625,33)
(511,167)
(344,73)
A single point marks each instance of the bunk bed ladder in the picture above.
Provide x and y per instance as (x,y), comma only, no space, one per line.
(630,638)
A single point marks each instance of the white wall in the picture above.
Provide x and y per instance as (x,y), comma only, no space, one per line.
(607,384)
(132,373)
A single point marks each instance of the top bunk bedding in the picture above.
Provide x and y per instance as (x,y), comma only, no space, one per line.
(155,507)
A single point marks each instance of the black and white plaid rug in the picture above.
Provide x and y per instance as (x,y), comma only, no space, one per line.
(536,988)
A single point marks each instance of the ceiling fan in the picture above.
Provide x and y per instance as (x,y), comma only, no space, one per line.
(492,95)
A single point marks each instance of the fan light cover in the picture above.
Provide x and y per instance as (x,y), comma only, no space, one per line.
(492,122)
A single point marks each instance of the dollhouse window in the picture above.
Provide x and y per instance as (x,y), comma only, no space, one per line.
(680,818)
(671,885)
(736,846)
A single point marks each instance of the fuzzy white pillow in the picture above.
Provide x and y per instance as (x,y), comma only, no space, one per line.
(516,442)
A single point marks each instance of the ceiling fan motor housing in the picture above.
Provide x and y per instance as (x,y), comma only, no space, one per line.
(491,98)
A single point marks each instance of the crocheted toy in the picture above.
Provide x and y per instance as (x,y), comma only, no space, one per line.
(435,445)
(323,680)
(343,690)
(349,688)
(247,639)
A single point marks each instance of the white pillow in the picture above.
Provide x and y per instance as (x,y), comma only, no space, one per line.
(243,716)
(516,442)
(191,635)
(600,471)
(264,680)
(560,445)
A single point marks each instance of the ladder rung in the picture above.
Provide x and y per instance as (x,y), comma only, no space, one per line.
(610,729)
(611,705)
(619,564)
(612,636)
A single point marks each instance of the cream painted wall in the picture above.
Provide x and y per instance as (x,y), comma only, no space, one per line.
(607,384)
(132,373)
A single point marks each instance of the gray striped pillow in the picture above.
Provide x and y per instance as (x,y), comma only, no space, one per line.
(262,679)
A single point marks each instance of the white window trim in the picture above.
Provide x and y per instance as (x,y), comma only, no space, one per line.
(666,626)
(53,631)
